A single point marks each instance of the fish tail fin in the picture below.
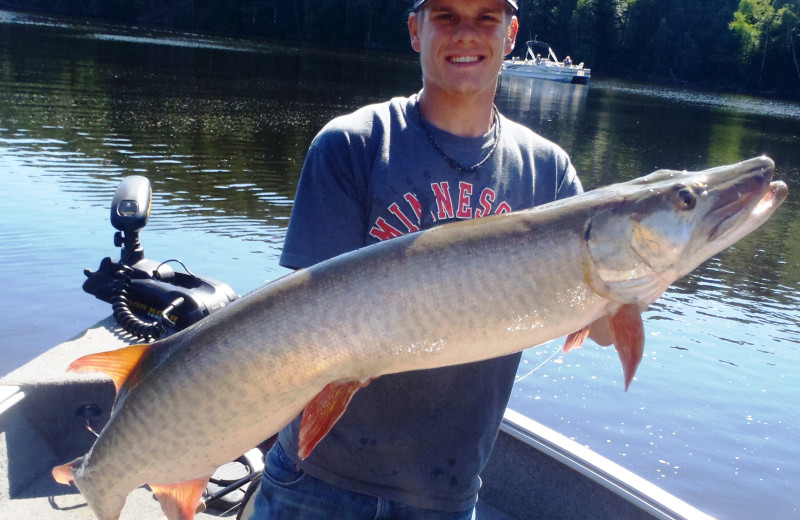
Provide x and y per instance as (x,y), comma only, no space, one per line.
(63,474)
(180,501)
(120,365)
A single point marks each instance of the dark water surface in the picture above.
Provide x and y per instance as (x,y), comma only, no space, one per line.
(221,128)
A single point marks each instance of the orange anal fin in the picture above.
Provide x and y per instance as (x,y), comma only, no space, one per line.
(63,473)
(117,364)
(179,501)
(576,339)
(323,411)
(627,333)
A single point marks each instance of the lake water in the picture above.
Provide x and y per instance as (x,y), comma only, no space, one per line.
(221,128)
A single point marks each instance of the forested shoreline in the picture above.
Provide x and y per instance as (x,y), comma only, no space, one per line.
(734,45)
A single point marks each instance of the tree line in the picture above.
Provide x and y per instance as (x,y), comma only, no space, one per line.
(742,45)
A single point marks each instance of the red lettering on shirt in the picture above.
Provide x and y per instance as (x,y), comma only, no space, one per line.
(464,193)
(397,212)
(484,205)
(415,205)
(444,202)
(486,199)
(503,208)
(383,230)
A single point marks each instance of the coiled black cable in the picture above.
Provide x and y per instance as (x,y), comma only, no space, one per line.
(127,319)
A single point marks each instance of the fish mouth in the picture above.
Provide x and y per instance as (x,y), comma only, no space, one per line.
(762,201)
(773,198)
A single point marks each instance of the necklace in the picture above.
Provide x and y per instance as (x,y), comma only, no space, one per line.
(452,162)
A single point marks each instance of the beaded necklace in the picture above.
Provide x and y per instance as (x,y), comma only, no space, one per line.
(452,162)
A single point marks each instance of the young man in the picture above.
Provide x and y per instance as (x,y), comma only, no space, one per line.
(412,445)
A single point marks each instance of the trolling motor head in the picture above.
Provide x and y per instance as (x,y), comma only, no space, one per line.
(130,211)
(149,298)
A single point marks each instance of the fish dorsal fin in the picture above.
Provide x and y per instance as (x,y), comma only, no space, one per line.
(119,364)
(179,501)
(627,334)
(323,411)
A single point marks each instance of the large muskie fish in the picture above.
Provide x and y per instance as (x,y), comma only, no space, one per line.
(453,294)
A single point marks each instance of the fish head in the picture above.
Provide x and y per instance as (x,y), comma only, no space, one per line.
(655,229)
(740,198)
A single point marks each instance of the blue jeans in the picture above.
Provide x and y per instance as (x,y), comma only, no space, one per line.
(288,493)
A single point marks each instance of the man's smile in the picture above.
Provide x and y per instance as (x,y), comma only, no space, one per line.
(465,59)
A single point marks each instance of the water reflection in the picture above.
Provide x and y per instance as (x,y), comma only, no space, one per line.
(740,104)
(224,125)
(548,99)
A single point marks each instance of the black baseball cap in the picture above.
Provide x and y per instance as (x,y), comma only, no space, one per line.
(511,3)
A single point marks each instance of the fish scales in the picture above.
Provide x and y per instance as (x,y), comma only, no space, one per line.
(408,309)
(453,294)
(415,310)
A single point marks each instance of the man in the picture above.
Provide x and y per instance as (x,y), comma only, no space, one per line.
(412,445)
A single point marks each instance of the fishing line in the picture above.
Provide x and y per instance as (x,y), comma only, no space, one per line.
(520,378)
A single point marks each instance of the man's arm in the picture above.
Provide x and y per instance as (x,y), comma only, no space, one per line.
(328,216)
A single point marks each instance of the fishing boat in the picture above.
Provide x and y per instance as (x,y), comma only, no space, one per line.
(542,63)
(48,417)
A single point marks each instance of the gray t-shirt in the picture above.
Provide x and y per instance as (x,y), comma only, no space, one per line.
(422,437)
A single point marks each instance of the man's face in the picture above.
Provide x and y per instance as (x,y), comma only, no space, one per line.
(462,43)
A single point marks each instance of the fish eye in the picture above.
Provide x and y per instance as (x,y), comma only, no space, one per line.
(686,198)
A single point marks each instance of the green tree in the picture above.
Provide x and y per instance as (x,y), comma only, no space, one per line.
(752,23)
(787,31)
(768,33)
(596,33)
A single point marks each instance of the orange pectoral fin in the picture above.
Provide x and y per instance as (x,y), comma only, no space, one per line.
(179,501)
(627,333)
(323,411)
(117,364)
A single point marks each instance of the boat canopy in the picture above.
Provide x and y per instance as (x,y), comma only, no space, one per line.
(541,49)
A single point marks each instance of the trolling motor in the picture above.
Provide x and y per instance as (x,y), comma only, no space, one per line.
(149,298)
